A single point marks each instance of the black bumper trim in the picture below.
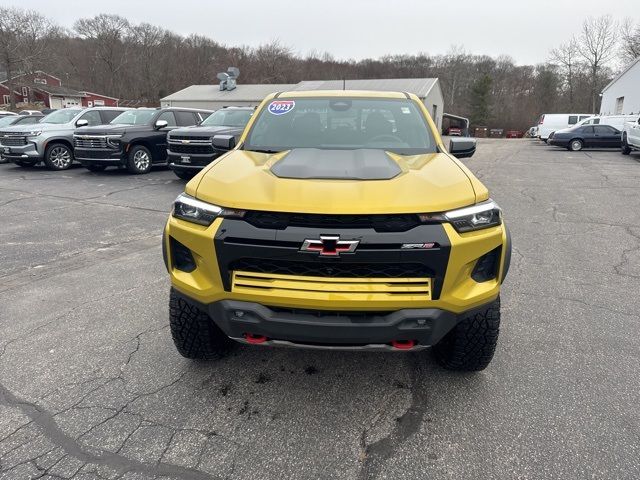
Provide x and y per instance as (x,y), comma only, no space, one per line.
(426,326)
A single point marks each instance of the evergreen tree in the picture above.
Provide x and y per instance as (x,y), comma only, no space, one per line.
(480,100)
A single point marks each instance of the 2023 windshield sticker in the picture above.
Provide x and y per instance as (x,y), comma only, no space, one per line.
(280,107)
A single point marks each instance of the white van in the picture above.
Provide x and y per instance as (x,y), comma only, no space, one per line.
(550,122)
(616,121)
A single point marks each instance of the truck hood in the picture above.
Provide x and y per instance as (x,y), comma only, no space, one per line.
(112,129)
(369,181)
(43,127)
(205,131)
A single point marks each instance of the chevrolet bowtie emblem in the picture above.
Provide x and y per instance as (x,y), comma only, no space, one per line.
(329,246)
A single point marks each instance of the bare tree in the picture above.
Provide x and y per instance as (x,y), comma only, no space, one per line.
(630,40)
(568,58)
(597,46)
(23,42)
(109,35)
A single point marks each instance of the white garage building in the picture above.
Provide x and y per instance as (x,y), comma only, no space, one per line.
(622,95)
(210,96)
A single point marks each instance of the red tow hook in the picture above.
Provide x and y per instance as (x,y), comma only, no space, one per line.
(403,344)
(255,339)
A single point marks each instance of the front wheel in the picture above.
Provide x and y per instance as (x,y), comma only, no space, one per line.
(471,344)
(575,145)
(58,156)
(194,333)
(626,149)
(139,160)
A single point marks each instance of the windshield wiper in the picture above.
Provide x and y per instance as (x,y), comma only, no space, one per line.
(263,150)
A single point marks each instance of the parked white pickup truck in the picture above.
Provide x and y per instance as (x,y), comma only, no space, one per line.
(631,137)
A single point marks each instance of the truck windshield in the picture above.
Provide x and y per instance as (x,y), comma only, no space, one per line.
(228,118)
(134,117)
(395,125)
(61,116)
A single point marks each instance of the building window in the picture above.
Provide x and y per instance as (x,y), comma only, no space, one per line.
(89,104)
(619,105)
(6,99)
(25,91)
(25,100)
(41,81)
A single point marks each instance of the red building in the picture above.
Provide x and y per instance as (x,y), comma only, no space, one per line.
(41,87)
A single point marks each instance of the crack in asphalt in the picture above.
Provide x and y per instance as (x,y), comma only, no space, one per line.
(376,454)
(72,447)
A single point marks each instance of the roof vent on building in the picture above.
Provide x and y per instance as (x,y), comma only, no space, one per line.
(228,79)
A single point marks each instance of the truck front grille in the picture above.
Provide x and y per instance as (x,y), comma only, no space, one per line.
(191,148)
(380,223)
(331,269)
(356,289)
(90,141)
(13,141)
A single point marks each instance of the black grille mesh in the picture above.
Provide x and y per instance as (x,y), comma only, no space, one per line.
(330,269)
(201,149)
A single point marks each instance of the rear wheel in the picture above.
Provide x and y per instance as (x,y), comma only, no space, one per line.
(185,174)
(58,156)
(471,344)
(139,160)
(194,333)
(575,145)
(626,149)
(96,168)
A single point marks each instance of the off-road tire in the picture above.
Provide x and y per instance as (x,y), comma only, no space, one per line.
(58,156)
(194,333)
(576,145)
(470,345)
(133,162)
(185,175)
(625,148)
(96,168)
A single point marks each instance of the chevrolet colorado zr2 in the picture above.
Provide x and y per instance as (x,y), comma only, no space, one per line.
(338,221)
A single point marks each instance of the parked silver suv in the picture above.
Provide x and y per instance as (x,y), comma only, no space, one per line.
(51,140)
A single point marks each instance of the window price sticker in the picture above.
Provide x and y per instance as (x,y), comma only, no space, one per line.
(280,107)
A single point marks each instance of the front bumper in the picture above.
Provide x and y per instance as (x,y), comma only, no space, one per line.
(189,161)
(25,153)
(224,252)
(558,142)
(379,331)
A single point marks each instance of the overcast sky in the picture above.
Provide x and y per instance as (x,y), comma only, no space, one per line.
(525,30)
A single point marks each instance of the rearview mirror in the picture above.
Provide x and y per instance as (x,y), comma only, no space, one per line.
(462,147)
(224,142)
(161,124)
(82,123)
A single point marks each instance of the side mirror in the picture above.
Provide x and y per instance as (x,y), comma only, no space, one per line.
(462,147)
(160,124)
(223,142)
(82,123)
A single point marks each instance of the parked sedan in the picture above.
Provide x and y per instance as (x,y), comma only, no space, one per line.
(591,136)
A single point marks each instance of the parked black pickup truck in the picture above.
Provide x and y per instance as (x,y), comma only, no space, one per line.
(136,139)
(190,149)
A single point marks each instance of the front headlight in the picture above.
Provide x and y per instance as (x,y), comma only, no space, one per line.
(193,210)
(114,140)
(34,133)
(476,217)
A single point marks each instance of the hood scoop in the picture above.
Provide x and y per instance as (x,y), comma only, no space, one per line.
(314,163)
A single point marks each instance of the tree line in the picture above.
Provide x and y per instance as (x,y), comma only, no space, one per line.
(110,55)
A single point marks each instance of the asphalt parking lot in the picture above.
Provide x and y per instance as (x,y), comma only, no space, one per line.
(91,386)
